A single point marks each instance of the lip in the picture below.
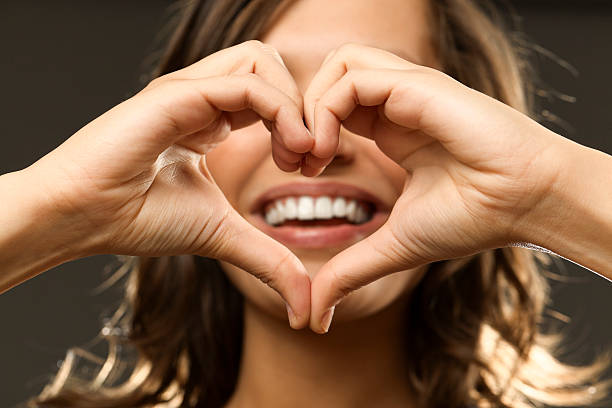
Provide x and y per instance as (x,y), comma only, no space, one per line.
(319,236)
(316,190)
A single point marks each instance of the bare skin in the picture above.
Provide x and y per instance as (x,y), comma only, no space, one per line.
(357,364)
(455,188)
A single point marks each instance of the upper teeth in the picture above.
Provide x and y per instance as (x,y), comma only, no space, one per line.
(309,208)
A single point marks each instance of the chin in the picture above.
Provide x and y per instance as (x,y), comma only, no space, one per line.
(359,304)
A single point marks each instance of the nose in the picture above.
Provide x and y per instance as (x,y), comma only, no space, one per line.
(345,154)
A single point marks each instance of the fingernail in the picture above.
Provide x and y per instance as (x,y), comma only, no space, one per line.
(291,315)
(327,317)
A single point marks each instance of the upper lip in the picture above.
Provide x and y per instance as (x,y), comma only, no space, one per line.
(317,189)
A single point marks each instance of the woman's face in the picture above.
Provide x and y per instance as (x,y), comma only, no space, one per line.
(243,167)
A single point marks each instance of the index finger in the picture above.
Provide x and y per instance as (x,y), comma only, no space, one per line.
(249,57)
(264,61)
(337,63)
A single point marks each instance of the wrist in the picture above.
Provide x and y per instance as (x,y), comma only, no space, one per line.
(574,219)
(34,235)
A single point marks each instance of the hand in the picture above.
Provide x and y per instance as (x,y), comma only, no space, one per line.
(475,166)
(134,181)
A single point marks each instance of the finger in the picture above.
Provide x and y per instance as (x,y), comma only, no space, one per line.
(357,88)
(146,125)
(429,104)
(241,119)
(284,156)
(394,102)
(335,66)
(378,255)
(241,244)
(314,166)
(285,166)
(252,56)
(341,60)
(206,139)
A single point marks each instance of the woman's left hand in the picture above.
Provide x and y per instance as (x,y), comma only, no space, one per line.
(476,168)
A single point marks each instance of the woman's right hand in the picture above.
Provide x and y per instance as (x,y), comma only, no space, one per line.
(134,181)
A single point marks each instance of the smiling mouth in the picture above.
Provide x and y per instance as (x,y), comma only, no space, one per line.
(318,215)
(360,219)
(308,211)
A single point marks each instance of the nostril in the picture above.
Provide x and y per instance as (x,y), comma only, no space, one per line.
(345,154)
(341,158)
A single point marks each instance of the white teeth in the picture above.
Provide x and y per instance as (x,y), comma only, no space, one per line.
(305,208)
(323,208)
(290,209)
(351,210)
(269,218)
(280,209)
(339,207)
(272,216)
(361,215)
(309,208)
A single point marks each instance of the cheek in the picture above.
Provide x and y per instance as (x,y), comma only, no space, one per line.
(234,159)
(395,173)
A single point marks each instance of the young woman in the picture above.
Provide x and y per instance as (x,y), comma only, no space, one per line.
(370,163)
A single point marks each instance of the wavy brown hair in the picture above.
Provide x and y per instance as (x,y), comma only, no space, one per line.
(176,338)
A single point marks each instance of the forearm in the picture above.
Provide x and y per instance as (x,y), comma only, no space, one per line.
(575,220)
(33,238)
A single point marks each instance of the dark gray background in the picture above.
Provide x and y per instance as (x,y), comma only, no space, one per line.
(66,62)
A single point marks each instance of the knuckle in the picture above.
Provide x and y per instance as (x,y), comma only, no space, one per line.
(349,48)
(255,48)
(352,75)
(263,51)
(323,103)
(237,76)
(344,51)
(166,83)
(246,80)
(251,82)
(268,49)
(251,76)
(260,47)
(265,277)
(254,45)
(343,284)
(246,77)
(248,53)
(319,105)
(286,261)
(272,277)
(155,82)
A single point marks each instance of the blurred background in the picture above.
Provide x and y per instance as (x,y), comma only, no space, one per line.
(66,62)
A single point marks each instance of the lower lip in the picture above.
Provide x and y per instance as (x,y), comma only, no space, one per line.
(320,236)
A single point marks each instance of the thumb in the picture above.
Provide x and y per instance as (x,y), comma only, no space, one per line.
(380,254)
(238,242)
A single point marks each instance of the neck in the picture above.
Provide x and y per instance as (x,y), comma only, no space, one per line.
(359,363)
